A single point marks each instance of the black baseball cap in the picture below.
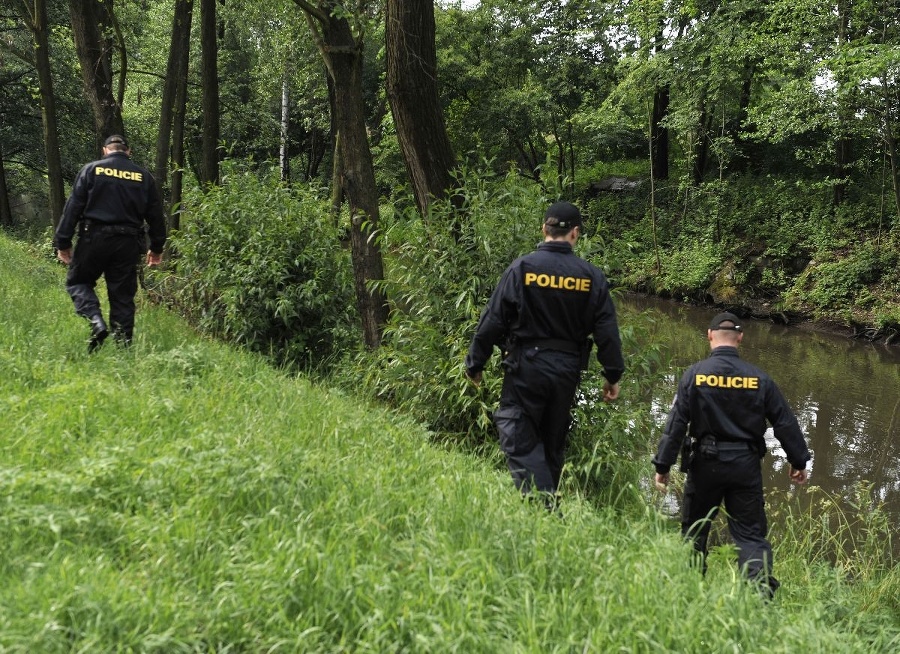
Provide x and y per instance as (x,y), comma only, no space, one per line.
(566,215)
(735,326)
(115,138)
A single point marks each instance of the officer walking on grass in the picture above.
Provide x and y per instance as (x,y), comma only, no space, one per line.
(723,403)
(541,315)
(111,200)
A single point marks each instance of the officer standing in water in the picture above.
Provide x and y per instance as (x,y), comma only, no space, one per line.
(725,402)
(541,314)
(111,199)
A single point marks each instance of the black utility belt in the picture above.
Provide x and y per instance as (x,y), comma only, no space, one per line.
(709,447)
(112,228)
(723,445)
(735,445)
(552,344)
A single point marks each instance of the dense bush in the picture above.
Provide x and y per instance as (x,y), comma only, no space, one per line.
(440,271)
(843,283)
(262,264)
(763,242)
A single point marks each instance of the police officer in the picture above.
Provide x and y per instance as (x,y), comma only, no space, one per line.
(111,200)
(541,314)
(724,403)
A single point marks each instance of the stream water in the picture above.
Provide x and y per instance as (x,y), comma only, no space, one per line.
(845,393)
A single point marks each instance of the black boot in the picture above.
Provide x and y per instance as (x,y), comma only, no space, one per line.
(121,336)
(99,332)
(122,340)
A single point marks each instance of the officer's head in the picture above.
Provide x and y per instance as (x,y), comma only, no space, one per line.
(115,143)
(562,220)
(725,329)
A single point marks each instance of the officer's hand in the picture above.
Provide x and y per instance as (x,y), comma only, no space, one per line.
(610,392)
(662,482)
(799,477)
(475,378)
(65,255)
(153,259)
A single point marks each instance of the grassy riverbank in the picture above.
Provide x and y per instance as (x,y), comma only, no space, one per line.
(184,496)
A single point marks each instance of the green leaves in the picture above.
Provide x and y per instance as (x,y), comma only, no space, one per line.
(263,265)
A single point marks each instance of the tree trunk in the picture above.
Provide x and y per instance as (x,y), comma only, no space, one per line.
(5,210)
(337,174)
(89,19)
(843,147)
(413,95)
(891,145)
(659,134)
(285,159)
(742,161)
(178,48)
(179,111)
(209,168)
(701,147)
(36,17)
(337,167)
(843,157)
(343,58)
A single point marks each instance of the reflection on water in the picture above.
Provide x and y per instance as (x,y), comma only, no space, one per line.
(844,392)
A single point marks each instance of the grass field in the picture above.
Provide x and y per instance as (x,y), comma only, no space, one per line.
(184,496)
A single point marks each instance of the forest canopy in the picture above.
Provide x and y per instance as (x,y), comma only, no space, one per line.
(739,153)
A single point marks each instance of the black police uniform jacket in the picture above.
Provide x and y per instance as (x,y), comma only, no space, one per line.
(730,399)
(550,294)
(114,191)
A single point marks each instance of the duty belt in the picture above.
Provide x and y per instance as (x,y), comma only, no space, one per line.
(726,444)
(553,344)
(112,228)
(735,445)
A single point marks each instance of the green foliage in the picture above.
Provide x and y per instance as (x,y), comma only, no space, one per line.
(517,78)
(753,239)
(440,272)
(834,286)
(609,444)
(262,265)
(685,270)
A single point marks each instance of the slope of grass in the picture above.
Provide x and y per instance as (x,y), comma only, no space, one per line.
(183,496)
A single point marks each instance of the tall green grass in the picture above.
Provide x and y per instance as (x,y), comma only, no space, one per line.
(183,496)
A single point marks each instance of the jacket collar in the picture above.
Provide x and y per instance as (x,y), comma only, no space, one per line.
(555,246)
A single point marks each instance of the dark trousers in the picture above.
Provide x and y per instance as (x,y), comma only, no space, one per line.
(116,258)
(535,414)
(735,479)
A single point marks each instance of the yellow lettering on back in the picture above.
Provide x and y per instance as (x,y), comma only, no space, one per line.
(544,280)
(721,381)
(119,174)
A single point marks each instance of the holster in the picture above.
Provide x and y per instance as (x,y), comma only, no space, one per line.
(708,448)
(687,455)
(511,354)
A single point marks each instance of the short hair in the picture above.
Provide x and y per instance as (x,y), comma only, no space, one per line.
(116,143)
(554,230)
